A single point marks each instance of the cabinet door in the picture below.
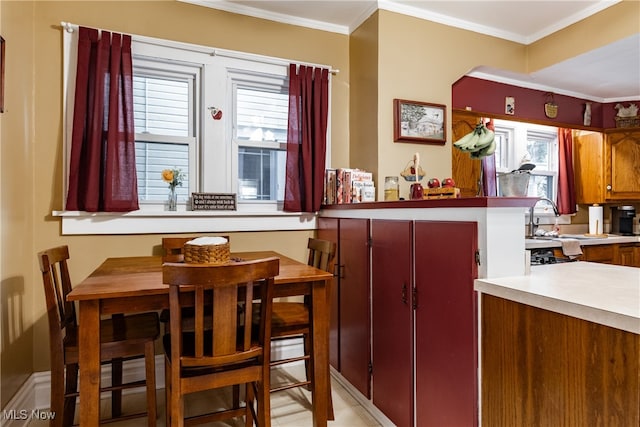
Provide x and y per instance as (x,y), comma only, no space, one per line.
(605,254)
(626,255)
(465,170)
(589,167)
(445,324)
(354,303)
(328,230)
(392,329)
(622,155)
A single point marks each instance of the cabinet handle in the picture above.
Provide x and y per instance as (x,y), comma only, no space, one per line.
(609,187)
(404,293)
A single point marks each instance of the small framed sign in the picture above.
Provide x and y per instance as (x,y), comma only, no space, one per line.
(213,202)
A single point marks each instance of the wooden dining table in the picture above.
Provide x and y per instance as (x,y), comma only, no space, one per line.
(134,284)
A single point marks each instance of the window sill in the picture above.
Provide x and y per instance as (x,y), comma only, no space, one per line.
(181,221)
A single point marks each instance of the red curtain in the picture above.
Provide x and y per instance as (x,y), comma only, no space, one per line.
(306,138)
(102,167)
(566,184)
(489,186)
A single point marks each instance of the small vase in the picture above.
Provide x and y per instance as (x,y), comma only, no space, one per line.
(172,200)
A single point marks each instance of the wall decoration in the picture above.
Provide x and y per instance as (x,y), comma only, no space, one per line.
(509,105)
(213,202)
(419,122)
(550,107)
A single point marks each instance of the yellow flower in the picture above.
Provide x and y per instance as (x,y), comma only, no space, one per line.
(167,175)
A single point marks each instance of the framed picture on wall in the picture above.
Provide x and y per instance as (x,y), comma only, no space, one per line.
(419,122)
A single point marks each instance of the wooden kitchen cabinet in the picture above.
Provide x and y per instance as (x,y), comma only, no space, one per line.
(628,255)
(435,379)
(465,170)
(605,254)
(607,165)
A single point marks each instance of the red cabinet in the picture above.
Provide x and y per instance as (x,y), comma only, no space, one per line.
(392,330)
(328,230)
(445,323)
(350,343)
(424,322)
(423,353)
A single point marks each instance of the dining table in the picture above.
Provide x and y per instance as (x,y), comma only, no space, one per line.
(123,285)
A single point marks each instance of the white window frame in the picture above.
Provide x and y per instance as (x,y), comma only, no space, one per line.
(216,143)
(515,152)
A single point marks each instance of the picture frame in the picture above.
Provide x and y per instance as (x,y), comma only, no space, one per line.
(419,122)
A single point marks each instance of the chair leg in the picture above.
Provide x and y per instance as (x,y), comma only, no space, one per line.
(71,387)
(264,398)
(167,392)
(150,367)
(116,395)
(249,404)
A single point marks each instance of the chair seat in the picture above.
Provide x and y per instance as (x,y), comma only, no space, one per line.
(288,318)
(136,330)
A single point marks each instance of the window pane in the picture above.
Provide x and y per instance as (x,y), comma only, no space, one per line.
(161,106)
(261,115)
(541,186)
(151,159)
(261,173)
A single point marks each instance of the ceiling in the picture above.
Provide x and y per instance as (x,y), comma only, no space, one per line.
(607,74)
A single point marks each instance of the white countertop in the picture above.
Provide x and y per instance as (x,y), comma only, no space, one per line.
(600,293)
(551,242)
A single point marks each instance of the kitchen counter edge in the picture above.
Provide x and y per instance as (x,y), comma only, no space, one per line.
(601,293)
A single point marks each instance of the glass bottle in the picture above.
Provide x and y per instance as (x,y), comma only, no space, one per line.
(391,188)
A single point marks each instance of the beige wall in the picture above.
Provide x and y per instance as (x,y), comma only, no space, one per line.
(390,56)
(420,60)
(18,290)
(612,24)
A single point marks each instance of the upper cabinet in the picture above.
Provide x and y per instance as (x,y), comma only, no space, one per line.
(465,170)
(607,166)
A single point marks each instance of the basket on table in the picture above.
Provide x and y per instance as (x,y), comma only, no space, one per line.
(207,250)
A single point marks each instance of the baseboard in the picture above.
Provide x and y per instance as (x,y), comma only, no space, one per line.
(366,404)
(31,401)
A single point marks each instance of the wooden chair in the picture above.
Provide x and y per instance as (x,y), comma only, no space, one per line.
(292,319)
(121,338)
(223,353)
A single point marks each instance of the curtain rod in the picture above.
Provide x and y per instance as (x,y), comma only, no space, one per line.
(70,28)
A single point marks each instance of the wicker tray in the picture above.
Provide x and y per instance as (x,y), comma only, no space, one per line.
(207,254)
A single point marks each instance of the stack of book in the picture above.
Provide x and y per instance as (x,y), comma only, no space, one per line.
(346,185)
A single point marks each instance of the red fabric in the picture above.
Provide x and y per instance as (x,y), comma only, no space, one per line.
(566,183)
(306,138)
(102,170)
(488,166)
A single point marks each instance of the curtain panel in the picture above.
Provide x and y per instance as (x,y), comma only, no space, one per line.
(306,138)
(102,167)
(488,168)
(566,183)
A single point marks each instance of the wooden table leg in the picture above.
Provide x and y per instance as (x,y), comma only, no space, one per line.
(89,348)
(320,349)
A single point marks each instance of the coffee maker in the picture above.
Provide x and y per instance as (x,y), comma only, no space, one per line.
(622,220)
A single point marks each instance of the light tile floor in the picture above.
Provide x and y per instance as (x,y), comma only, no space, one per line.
(290,408)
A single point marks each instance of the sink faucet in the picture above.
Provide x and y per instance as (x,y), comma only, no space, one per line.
(532,225)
